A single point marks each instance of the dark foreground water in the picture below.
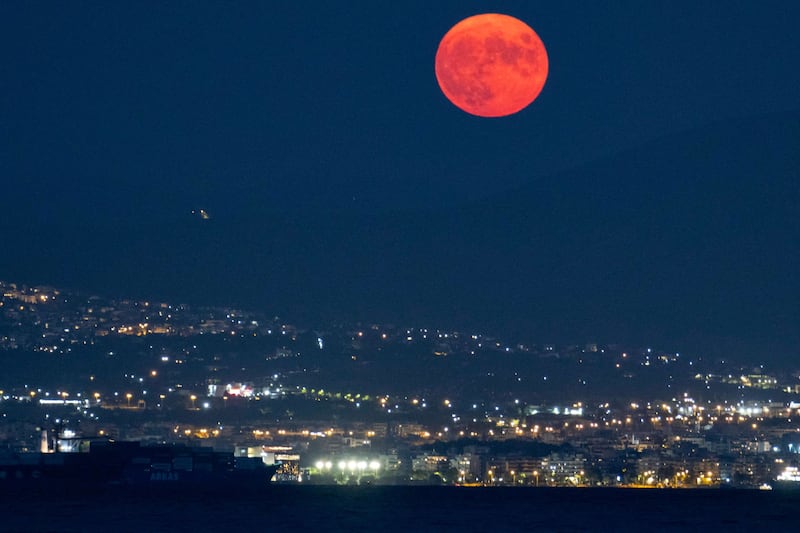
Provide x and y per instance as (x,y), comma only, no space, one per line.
(315,508)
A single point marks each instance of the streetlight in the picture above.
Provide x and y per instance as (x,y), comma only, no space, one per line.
(536,476)
(129,396)
(193,398)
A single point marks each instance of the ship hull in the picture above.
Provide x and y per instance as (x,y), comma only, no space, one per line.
(132,465)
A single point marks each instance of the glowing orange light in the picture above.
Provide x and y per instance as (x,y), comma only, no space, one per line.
(491,65)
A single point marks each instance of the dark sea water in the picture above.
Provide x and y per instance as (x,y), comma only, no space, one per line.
(315,508)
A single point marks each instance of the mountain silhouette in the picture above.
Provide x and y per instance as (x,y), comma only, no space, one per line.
(689,240)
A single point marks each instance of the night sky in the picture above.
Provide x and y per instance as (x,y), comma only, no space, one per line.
(650,193)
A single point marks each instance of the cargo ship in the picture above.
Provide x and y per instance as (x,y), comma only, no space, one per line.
(115,463)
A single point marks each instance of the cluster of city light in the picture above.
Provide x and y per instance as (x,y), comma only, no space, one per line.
(790,473)
(199,433)
(348,465)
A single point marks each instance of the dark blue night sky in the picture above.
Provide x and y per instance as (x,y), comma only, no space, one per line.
(650,193)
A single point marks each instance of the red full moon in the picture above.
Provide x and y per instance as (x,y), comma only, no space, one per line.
(491,65)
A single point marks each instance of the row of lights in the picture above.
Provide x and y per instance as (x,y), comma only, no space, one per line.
(351,465)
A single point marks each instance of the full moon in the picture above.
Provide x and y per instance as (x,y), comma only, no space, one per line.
(491,65)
